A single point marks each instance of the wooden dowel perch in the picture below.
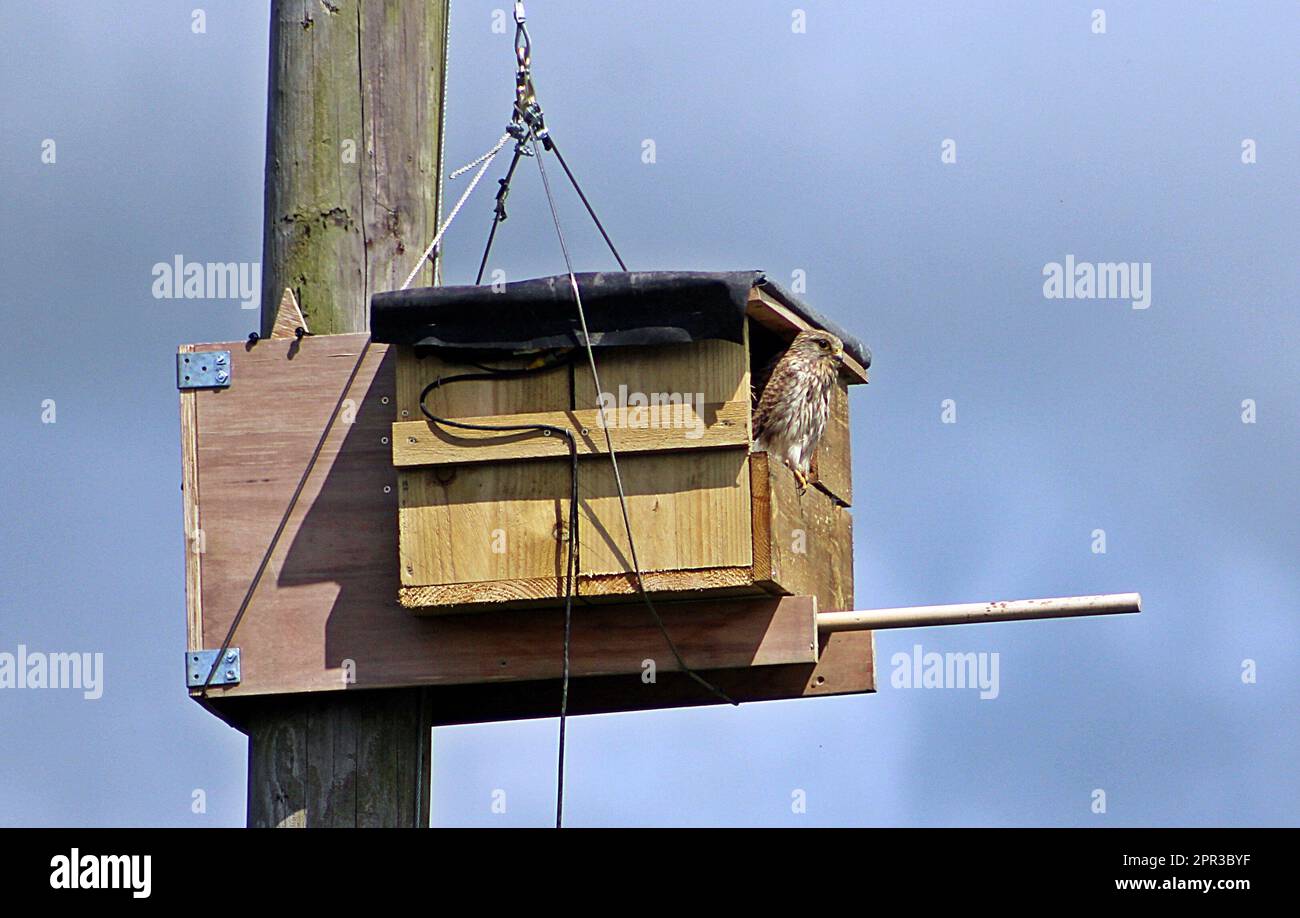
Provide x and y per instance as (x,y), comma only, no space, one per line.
(971,613)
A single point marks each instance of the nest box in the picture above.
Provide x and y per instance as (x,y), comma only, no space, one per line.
(415,554)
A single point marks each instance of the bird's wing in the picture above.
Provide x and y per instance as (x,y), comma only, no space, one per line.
(767,401)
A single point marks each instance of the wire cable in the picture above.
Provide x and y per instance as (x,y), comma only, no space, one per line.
(549,143)
(571,564)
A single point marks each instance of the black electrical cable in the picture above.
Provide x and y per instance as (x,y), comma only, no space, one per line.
(571,565)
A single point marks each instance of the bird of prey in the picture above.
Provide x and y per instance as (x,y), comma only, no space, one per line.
(796,402)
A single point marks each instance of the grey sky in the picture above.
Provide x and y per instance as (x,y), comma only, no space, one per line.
(817,152)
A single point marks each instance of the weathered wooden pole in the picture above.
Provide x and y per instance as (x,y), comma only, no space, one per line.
(353,167)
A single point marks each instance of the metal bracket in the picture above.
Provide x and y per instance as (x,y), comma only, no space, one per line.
(198,662)
(203,370)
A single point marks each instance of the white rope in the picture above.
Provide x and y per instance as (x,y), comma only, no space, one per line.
(482,162)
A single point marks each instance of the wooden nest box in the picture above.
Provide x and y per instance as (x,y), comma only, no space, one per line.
(396,551)
(483,514)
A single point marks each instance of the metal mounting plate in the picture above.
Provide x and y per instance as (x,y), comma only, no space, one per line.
(198,662)
(203,370)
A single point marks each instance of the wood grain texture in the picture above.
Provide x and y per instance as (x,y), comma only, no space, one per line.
(687,512)
(339,761)
(288,317)
(832,463)
(194,540)
(459,598)
(487,522)
(715,371)
(353,181)
(808,538)
(353,154)
(423,443)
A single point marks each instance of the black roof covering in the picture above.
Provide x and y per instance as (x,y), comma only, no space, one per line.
(622,308)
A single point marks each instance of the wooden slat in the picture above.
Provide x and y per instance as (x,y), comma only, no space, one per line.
(832,464)
(453,519)
(423,443)
(618,639)
(687,512)
(767,312)
(547,391)
(194,541)
(845,666)
(714,371)
(809,537)
(458,598)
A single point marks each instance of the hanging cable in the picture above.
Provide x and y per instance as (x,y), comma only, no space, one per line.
(570,576)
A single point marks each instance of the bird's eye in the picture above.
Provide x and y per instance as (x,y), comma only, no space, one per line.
(823,344)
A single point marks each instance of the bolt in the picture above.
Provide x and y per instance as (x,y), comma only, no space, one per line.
(230,674)
(222,375)
(221,360)
(230,658)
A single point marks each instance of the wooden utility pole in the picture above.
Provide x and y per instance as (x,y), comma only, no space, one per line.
(353,170)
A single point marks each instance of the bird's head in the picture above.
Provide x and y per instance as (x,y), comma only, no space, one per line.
(819,345)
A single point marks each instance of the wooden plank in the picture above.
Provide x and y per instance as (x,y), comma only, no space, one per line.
(773,315)
(845,666)
(485,522)
(614,639)
(546,391)
(687,512)
(194,540)
(423,443)
(458,598)
(832,463)
(809,538)
(479,523)
(288,318)
(709,371)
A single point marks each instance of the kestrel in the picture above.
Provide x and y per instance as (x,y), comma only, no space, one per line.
(791,414)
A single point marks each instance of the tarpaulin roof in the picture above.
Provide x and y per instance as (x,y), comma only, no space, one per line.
(622,308)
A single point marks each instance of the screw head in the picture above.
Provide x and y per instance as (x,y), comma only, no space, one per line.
(222,375)
(221,360)
(230,674)
(230,658)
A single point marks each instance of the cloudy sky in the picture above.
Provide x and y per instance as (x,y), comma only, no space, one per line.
(1167,139)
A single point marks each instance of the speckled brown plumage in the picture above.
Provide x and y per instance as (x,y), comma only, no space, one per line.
(796,402)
